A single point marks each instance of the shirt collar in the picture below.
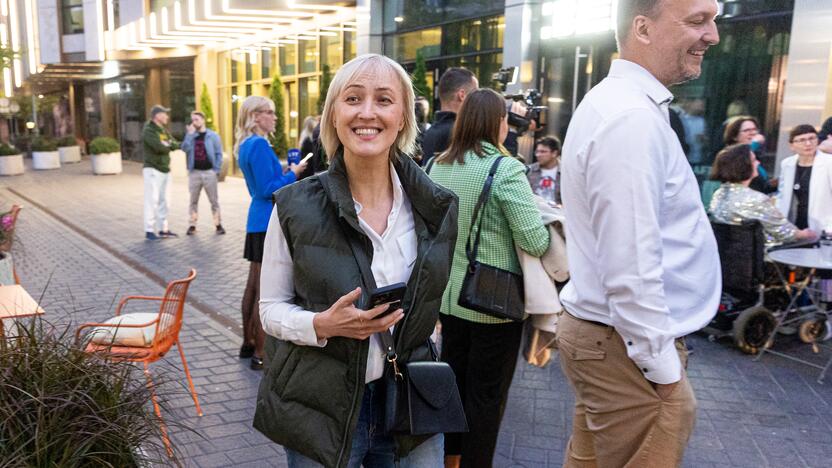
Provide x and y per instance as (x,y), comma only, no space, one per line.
(398,193)
(644,79)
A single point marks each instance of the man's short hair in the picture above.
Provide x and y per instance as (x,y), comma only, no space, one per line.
(627,12)
(198,113)
(801,130)
(550,142)
(453,80)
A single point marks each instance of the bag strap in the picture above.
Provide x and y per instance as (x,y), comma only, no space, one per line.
(429,166)
(470,252)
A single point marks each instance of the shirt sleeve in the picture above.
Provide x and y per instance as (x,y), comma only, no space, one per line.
(625,172)
(516,199)
(188,142)
(267,171)
(279,315)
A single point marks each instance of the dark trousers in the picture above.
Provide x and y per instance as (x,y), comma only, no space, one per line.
(483,358)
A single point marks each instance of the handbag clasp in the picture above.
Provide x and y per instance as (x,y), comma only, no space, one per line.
(391,358)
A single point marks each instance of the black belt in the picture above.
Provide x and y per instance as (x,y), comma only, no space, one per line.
(599,324)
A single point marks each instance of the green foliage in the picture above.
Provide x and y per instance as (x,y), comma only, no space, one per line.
(420,81)
(102,145)
(7,55)
(8,150)
(43,143)
(278,139)
(326,79)
(68,140)
(60,406)
(206,107)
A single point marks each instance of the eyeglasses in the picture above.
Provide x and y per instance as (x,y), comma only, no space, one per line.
(750,130)
(269,111)
(809,139)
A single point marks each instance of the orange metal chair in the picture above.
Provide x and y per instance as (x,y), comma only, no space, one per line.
(6,246)
(168,323)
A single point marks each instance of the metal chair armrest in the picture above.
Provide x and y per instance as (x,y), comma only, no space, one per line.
(123,302)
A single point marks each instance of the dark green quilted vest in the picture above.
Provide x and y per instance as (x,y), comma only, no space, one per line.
(309,397)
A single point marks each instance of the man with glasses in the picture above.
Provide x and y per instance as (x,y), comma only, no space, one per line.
(806,189)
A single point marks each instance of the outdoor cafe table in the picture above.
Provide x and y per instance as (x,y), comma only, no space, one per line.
(15,302)
(805,258)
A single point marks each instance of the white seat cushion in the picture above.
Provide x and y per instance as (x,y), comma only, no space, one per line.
(129,336)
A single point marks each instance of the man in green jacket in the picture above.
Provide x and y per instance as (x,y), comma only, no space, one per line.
(157,144)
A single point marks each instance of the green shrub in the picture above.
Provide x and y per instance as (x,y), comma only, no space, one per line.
(61,406)
(44,144)
(68,140)
(101,145)
(8,150)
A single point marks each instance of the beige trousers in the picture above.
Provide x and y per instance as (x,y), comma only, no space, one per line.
(620,420)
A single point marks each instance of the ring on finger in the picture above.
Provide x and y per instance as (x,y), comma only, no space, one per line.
(360,318)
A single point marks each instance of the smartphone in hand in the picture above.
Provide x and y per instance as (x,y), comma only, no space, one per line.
(392,294)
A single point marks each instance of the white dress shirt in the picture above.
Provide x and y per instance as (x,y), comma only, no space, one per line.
(642,255)
(394,253)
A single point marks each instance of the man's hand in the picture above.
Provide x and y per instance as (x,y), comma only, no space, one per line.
(665,390)
(190,129)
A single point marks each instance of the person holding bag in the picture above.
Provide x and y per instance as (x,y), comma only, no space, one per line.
(482,307)
(374,219)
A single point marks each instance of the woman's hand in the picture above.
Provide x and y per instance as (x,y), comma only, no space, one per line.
(344,319)
(807,235)
(298,168)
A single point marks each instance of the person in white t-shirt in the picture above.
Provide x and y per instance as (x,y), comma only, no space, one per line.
(544,174)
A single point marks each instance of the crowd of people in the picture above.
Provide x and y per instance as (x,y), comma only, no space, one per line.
(395,200)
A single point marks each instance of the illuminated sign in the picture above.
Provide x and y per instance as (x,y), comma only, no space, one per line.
(567,18)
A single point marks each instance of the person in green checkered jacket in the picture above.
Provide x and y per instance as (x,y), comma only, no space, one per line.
(482,350)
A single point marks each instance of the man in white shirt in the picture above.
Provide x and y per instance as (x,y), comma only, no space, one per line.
(643,260)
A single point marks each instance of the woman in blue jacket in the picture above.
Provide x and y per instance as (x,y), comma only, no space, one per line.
(264,175)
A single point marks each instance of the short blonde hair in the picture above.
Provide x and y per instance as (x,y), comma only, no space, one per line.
(406,140)
(246,125)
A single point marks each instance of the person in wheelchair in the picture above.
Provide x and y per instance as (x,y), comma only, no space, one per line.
(734,202)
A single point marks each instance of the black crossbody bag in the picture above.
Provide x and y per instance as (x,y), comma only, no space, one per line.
(485,288)
(421,396)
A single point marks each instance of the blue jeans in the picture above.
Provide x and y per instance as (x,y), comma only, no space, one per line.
(372,448)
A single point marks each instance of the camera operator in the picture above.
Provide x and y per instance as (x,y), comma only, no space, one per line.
(454,85)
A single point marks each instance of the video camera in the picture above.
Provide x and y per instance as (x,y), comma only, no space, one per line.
(531,98)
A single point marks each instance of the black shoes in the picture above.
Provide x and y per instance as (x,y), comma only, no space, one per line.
(191,230)
(256,363)
(151,236)
(246,351)
(167,234)
(220,230)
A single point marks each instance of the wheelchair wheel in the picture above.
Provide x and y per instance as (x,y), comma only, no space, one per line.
(812,330)
(752,328)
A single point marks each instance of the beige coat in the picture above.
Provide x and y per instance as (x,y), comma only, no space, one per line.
(540,274)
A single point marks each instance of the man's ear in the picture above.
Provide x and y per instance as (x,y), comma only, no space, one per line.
(642,27)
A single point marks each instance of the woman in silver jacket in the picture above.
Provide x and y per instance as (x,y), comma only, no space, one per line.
(734,202)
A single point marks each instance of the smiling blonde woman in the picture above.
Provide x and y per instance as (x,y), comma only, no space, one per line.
(321,396)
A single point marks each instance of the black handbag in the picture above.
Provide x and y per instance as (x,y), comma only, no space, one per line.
(421,396)
(487,289)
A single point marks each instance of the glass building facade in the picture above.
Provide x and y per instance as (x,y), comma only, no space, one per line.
(249,71)
(448,34)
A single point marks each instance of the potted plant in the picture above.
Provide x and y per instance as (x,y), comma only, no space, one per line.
(11,161)
(106,156)
(45,154)
(69,150)
(62,406)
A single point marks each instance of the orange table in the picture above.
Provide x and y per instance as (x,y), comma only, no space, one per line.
(15,302)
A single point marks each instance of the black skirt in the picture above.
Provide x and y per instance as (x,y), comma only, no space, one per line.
(253,250)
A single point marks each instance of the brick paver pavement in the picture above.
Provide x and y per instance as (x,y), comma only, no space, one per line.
(751,414)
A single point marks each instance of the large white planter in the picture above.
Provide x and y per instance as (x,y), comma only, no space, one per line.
(11,165)
(42,160)
(70,154)
(106,163)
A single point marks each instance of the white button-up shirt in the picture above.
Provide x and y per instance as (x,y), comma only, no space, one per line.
(642,255)
(394,254)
